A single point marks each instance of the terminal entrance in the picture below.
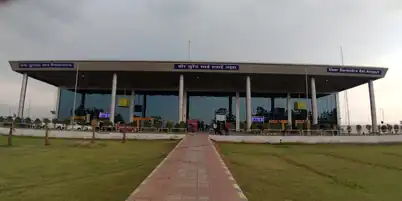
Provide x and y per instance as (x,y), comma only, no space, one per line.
(204,108)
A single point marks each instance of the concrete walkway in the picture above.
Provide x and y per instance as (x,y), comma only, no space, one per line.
(192,171)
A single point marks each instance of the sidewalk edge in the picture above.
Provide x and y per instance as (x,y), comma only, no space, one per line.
(230,176)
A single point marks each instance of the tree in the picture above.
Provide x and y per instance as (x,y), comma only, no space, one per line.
(17,122)
(2,119)
(28,120)
(54,122)
(358,128)
(384,128)
(368,127)
(10,135)
(46,132)
(349,128)
(396,128)
(66,122)
(389,128)
(46,121)
(37,122)
(118,118)
(9,119)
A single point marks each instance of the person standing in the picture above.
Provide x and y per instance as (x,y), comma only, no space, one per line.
(215,127)
(227,128)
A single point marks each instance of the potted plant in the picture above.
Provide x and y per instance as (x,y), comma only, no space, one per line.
(358,128)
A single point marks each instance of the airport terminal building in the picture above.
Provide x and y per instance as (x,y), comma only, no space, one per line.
(183,90)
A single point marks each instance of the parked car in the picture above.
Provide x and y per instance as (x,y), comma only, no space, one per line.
(53,126)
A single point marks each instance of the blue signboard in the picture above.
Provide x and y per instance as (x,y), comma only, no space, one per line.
(46,65)
(354,71)
(206,67)
(258,119)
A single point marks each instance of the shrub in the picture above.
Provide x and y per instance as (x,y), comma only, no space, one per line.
(266,125)
(396,128)
(182,124)
(368,127)
(349,128)
(37,121)
(28,120)
(389,128)
(254,126)
(359,128)
(169,124)
(315,127)
(384,128)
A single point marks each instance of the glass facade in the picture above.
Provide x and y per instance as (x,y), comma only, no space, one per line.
(199,107)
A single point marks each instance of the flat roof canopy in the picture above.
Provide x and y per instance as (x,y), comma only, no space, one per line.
(198,76)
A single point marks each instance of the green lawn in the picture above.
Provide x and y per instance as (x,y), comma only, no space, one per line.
(75,169)
(316,172)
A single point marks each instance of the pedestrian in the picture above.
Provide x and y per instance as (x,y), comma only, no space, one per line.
(215,127)
(227,128)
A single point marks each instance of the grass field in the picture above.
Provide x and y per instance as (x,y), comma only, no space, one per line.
(316,172)
(76,170)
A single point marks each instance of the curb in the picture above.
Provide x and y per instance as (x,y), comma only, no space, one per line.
(229,174)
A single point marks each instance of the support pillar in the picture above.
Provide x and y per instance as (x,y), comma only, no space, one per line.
(314,101)
(185,101)
(144,105)
(237,111)
(131,108)
(83,97)
(372,107)
(23,93)
(273,108)
(181,93)
(338,110)
(56,109)
(248,103)
(230,106)
(289,109)
(113,99)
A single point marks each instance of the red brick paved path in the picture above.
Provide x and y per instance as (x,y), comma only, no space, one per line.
(193,171)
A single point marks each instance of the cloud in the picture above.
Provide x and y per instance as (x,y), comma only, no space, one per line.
(308,31)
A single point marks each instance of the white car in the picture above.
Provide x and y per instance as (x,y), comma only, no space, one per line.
(78,127)
(53,126)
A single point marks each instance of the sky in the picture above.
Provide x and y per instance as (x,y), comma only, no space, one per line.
(285,31)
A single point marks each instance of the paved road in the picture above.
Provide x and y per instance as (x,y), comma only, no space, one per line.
(192,171)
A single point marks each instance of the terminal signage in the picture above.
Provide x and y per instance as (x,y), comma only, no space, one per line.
(258,119)
(354,71)
(206,67)
(46,65)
